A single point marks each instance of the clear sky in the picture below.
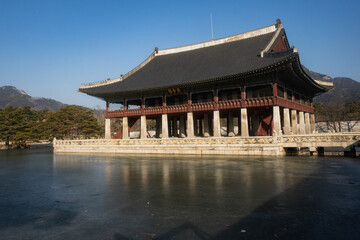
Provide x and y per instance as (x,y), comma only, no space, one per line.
(49,47)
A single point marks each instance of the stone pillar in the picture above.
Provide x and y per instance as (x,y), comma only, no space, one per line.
(190,125)
(312,123)
(307,123)
(182,126)
(230,125)
(158,127)
(125,128)
(301,123)
(206,125)
(164,126)
(294,122)
(244,123)
(143,132)
(286,121)
(107,128)
(216,124)
(276,121)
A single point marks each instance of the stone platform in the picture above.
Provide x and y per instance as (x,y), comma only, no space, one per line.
(258,146)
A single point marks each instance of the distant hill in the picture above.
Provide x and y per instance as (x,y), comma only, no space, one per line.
(317,76)
(10,95)
(345,89)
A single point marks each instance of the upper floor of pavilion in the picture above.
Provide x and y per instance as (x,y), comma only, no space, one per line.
(261,56)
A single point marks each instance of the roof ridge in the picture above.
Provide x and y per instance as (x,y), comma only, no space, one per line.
(232,38)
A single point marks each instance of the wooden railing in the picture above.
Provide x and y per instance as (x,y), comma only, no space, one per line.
(210,106)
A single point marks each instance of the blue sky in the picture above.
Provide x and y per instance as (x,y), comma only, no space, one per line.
(49,47)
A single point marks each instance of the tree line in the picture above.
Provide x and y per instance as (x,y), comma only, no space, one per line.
(21,125)
(337,117)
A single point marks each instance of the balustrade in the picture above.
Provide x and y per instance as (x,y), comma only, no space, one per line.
(209,106)
(176,108)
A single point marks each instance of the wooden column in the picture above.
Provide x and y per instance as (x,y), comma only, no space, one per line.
(107,107)
(243,96)
(142,105)
(275,93)
(124,105)
(189,101)
(216,99)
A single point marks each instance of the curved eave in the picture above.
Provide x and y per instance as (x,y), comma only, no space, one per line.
(303,74)
(281,64)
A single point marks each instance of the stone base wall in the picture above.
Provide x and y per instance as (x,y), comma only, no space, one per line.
(218,146)
(259,146)
(255,150)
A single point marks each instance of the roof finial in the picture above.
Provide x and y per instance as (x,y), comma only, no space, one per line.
(156,49)
(278,22)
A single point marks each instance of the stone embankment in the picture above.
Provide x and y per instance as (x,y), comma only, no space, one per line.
(260,146)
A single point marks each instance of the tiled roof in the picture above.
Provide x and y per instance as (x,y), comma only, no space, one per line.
(197,63)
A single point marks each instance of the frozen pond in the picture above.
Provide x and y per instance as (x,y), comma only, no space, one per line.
(47,196)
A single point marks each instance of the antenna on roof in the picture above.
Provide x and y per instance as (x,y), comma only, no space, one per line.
(212,31)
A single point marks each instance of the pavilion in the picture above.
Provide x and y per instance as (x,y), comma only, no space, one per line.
(253,80)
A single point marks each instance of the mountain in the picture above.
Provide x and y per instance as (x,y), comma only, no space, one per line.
(344,90)
(10,95)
